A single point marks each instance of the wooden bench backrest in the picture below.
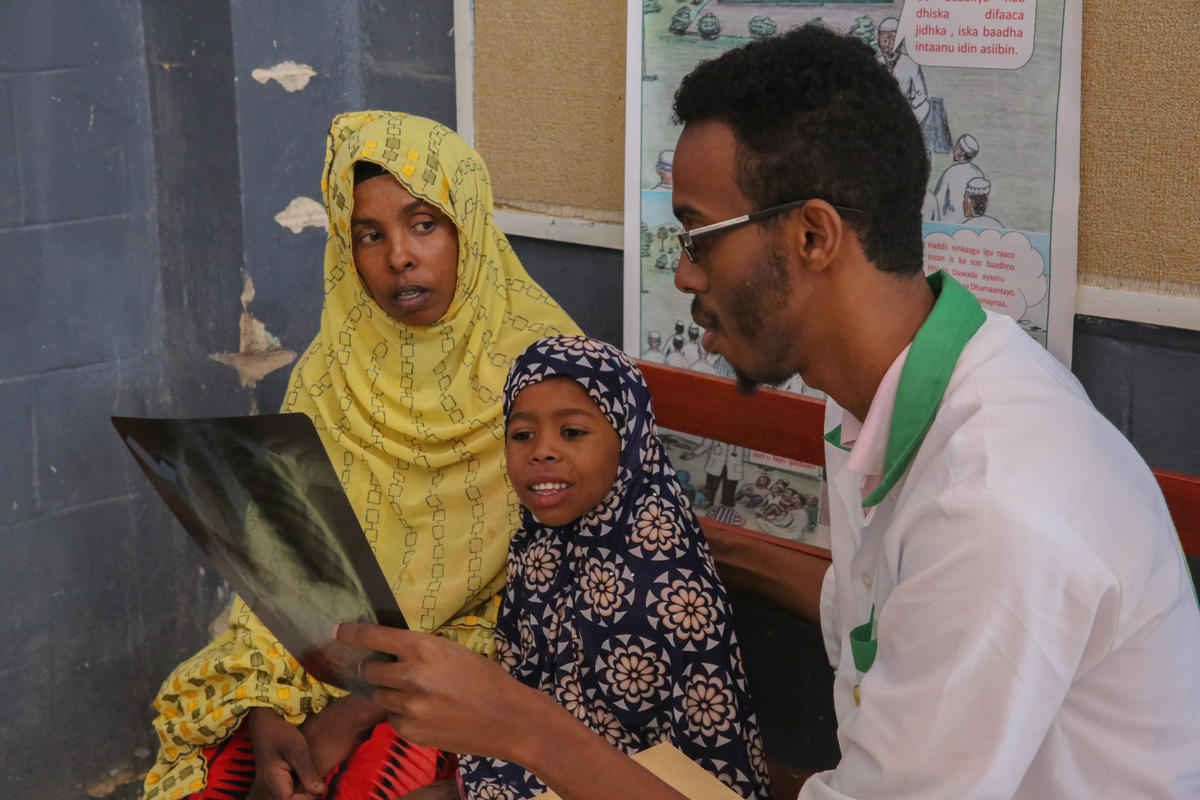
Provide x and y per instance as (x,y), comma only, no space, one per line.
(705,405)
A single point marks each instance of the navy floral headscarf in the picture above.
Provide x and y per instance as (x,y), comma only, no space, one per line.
(620,615)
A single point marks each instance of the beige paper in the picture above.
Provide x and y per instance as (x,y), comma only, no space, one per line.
(677,771)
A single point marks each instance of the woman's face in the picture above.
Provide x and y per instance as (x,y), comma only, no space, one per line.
(562,452)
(405,249)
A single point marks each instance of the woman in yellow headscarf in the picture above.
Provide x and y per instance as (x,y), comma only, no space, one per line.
(426,305)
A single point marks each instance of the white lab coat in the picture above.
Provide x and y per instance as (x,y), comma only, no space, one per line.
(1038,636)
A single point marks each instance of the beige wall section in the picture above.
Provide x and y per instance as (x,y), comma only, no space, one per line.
(550,104)
(1140,147)
(549,116)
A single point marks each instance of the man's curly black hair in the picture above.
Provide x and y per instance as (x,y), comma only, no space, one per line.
(816,115)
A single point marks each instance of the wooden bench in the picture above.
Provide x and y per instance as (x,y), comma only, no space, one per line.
(777,633)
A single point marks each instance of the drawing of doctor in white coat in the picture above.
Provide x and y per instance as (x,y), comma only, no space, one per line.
(723,468)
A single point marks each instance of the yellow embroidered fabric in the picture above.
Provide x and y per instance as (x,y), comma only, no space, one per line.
(412,420)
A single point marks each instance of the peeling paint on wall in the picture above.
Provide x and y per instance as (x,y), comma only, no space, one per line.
(291,76)
(117,778)
(301,213)
(259,353)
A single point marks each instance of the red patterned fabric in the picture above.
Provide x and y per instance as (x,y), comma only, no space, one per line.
(381,768)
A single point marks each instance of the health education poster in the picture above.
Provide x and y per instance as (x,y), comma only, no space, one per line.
(995,87)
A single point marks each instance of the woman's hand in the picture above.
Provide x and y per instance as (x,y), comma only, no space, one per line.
(283,767)
(341,727)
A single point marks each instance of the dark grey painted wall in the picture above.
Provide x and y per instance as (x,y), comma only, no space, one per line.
(145,168)
(92,591)
(1146,380)
(586,281)
(189,47)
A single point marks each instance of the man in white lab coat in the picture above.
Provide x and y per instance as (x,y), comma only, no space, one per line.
(995,631)
(723,470)
(1008,612)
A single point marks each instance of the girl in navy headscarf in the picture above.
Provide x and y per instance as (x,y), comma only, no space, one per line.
(612,604)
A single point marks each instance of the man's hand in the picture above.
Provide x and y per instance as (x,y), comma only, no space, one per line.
(283,767)
(334,734)
(440,694)
(438,790)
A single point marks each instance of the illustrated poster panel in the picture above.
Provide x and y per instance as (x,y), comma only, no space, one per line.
(998,106)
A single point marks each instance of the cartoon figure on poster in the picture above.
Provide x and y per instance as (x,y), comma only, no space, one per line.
(952,185)
(653,352)
(975,203)
(929,111)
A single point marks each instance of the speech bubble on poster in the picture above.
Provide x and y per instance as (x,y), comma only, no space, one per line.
(988,34)
(1004,270)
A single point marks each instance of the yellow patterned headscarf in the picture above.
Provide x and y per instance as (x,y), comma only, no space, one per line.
(412,420)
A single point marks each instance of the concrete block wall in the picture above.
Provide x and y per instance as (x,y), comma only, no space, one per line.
(281,149)
(189,69)
(93,584)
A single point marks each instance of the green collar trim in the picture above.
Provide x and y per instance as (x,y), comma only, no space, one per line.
(934,351)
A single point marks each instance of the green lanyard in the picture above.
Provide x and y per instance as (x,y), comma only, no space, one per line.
(932,356)
(863,644)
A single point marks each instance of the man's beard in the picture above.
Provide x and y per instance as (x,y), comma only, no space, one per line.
(702,316)
(761,298)
(748,384)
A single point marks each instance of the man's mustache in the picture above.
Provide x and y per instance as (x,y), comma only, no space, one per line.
(702,316)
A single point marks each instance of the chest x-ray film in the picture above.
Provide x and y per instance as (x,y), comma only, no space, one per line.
(259,496)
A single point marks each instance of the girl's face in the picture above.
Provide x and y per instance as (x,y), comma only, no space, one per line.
(562,452)
(405,249)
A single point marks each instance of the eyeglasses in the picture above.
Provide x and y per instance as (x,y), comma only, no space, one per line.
(687,239)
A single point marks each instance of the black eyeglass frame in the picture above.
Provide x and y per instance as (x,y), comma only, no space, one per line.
(687,239)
